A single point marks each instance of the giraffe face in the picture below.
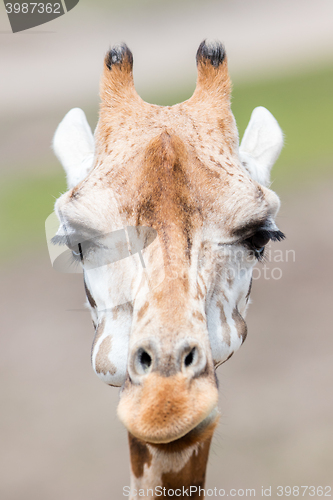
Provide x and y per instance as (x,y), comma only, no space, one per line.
(168,224)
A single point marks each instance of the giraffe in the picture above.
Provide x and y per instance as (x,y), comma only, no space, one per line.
(167,215)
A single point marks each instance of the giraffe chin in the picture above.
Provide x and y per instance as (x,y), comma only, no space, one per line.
(164,409)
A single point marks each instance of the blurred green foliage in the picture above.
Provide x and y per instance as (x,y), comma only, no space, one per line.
(25,203)
(302,104)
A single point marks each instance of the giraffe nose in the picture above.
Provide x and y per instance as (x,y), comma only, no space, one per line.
(187,357)
(190,358)
(143,359)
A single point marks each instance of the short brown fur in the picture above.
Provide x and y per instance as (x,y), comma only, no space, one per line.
(140,455)
(192,474)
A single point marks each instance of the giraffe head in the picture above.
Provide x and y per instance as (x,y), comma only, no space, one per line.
(168,216)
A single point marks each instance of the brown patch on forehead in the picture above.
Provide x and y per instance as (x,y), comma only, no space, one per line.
(192,474)
(240,324)
(140,455)
(224,323)
(103,364)
(165,199)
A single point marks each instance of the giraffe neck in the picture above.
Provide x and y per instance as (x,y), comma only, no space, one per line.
(180,465)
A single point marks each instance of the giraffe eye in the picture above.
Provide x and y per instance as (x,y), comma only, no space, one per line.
(259,240)
(77,252)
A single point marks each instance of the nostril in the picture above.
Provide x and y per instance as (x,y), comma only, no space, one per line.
(189,358)
(145,360)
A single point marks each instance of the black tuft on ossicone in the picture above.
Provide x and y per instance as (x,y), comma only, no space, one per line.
(214,51)
(117,54)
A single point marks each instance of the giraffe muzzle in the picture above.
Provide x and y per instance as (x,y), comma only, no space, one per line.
(169,391)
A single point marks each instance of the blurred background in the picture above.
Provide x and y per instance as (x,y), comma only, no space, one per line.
(59,434)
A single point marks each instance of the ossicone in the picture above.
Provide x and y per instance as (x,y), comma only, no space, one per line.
(119,55)
(117,86)
(212,52)
(213,83)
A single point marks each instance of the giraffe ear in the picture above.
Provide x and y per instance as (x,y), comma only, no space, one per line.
(261,145)
(73,144)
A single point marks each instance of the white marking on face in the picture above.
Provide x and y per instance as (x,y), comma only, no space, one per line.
(230,281)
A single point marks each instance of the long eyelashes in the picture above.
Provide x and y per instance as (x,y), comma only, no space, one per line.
(257,242)
(276,235)
(59,239)
(261,257)
(81,254)
(78,256)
